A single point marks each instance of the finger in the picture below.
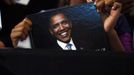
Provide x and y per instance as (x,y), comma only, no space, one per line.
(21,30)
(116,5)
(22,27)
(28,21)
(22,24)
(15,36)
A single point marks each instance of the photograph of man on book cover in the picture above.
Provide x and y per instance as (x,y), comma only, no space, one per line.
(69,28)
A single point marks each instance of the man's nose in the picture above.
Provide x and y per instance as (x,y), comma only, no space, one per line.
(61,27)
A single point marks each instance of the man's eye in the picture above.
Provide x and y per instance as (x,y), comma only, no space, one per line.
(64,22)
(55,26)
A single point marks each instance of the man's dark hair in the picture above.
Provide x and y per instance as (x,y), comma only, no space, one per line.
(56,13)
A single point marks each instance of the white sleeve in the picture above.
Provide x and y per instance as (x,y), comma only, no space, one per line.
(22,2)
(25,43)
(0,21)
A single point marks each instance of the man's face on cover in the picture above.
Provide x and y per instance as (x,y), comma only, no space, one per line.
(61,27)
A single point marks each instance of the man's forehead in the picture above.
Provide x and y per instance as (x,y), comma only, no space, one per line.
(57,18)
(58,15)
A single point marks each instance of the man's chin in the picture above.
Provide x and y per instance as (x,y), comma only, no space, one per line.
(65,40)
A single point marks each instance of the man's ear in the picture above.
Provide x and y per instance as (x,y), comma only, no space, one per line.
(50,31)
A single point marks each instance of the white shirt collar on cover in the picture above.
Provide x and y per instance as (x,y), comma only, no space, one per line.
(63,45)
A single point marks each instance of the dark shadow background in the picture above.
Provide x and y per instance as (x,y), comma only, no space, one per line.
(49,62)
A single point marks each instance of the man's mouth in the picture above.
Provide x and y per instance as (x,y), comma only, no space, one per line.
(63,34)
